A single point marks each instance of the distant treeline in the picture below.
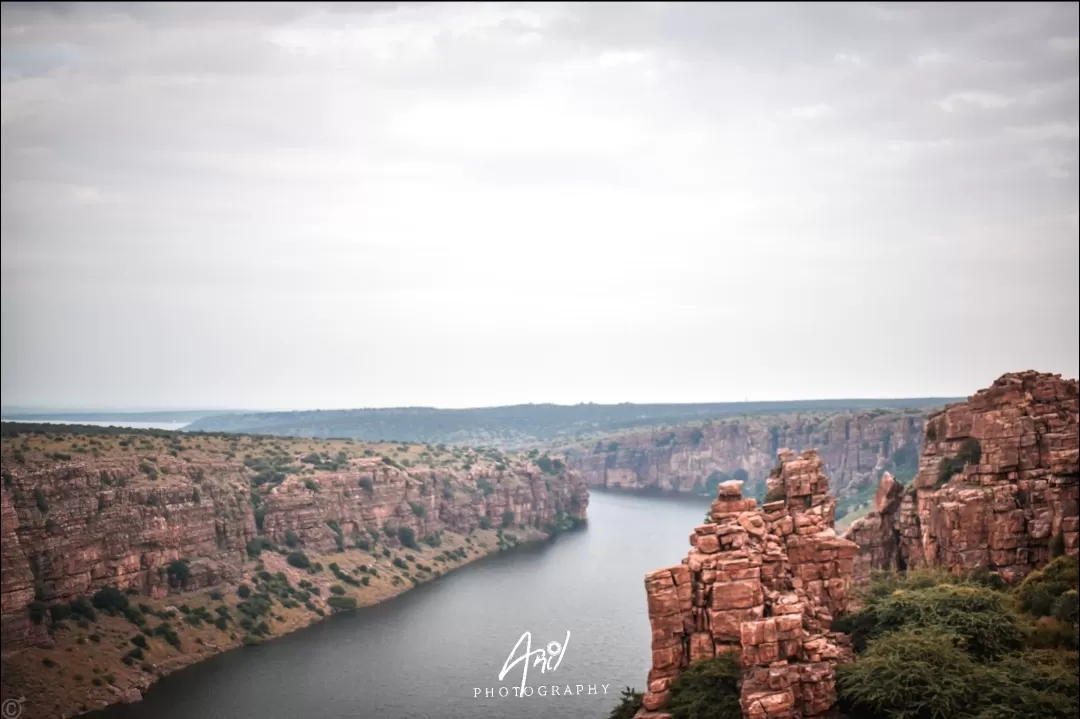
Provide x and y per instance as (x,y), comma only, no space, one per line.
(520,424)
(10,428)
(112,416)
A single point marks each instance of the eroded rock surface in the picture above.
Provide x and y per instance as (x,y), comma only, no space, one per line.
(765,583)
(71,526)
(997,485)
(855,448)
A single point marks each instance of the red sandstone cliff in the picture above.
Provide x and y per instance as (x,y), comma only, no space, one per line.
(855,448)
(997,486)
(71,526)
(764,583)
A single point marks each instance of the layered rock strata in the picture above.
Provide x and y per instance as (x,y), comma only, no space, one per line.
(997,486)
(73,526)
(764,583)
(855,449)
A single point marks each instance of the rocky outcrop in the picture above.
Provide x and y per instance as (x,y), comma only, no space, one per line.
(855,448)
(764,583)
(73,526)
(997,486)
(877,534)
(373,498)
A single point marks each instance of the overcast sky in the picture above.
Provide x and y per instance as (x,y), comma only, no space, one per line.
(285,206)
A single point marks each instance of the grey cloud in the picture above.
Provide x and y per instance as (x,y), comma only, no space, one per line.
(318,196)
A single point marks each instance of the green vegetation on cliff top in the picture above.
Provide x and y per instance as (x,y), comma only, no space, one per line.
(517,425)
(931,645)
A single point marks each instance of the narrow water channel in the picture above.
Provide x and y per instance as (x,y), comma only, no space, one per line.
(427,653)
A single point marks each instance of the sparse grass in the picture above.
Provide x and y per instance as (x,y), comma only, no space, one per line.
(223,467)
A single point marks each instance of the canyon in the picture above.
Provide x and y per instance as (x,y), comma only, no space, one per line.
(855,447)
(996,491)
(180,523)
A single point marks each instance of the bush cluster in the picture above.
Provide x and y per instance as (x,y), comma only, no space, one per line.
(936,645)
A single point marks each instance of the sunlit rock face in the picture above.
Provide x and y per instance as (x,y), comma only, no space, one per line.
(764,583)
(997,486)
(73,526)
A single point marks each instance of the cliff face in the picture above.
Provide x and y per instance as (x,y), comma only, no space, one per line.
(763,583)
(997,486)
(853,447)
(425,500)
(71,526)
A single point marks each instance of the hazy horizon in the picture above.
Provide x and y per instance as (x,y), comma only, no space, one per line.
(343,205)
(71,409)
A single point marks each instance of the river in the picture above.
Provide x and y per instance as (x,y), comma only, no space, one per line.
(424,654)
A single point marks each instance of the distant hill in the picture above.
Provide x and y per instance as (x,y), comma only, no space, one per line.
(16,414)
(517,425)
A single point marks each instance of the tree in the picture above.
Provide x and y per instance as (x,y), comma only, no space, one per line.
(707,689)
(179,572)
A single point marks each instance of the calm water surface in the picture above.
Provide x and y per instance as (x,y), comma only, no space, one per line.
(423,654)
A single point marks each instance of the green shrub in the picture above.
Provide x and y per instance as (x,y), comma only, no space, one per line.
(407,537)
(110,600)
(37,610)
(707,689)
(256,546)
(83,607)
(166,632)
(337,589)
(914,673)
(1035,685)
(291,539)
(179,571)
(243,591)
(970,452)
(1041,589)
(59,612)
(935,645)
(507,517)
(341,604)
(980,617)
(1066,608)
(298,559)
(39,499)
(418,509)
(629,703)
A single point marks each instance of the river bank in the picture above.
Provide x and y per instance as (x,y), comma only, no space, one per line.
(91,664)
